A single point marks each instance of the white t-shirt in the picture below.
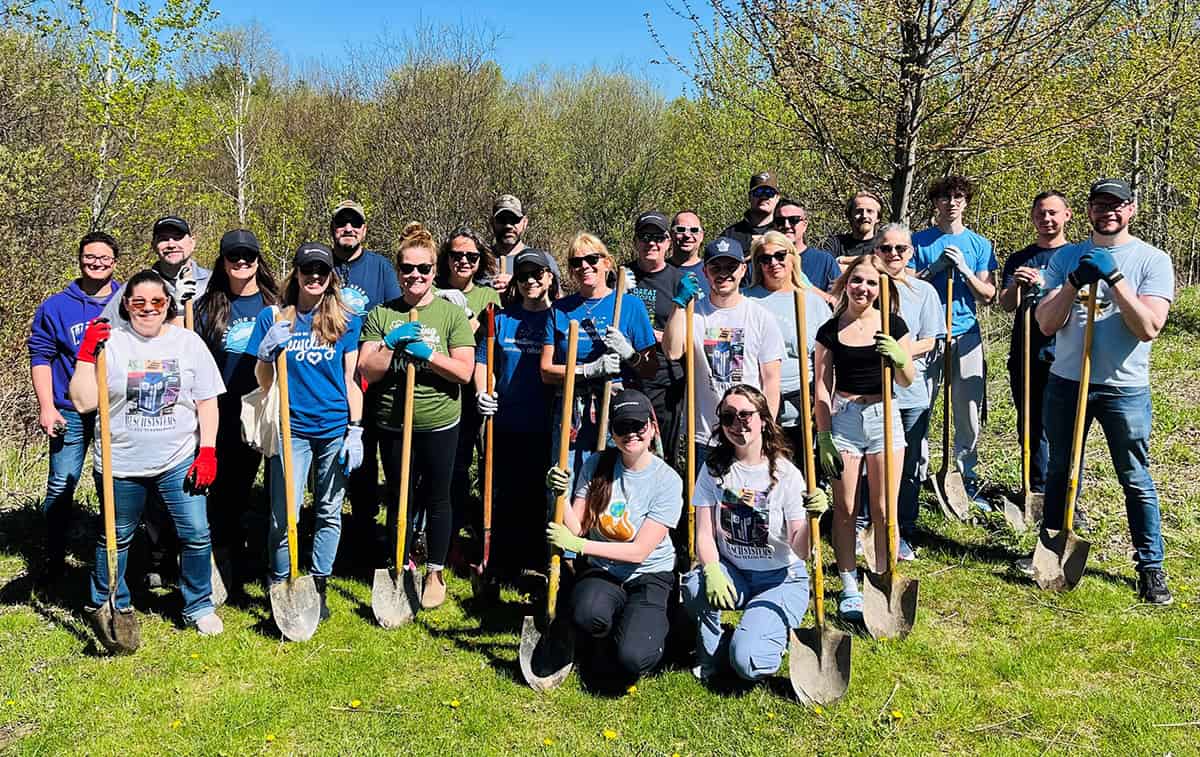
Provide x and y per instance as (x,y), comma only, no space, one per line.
(730,346)
(752,515)
(153,387)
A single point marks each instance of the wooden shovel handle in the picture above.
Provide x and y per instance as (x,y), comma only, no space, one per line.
(289,485)
(107,502)
(1085,375)
(606,398)
(689,482)
(564,452)
(889,488)
(410,384)
(810,466)
(488,433)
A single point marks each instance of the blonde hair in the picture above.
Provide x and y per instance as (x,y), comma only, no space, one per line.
(583,241)
(416,235)
(330,316)
(775,239)
(839,286)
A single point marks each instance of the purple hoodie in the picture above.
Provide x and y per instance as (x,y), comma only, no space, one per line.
(57,330)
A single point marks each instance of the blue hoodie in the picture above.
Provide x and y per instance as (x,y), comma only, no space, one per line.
(57,330)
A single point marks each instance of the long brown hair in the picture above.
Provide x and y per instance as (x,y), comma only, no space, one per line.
(599,490)
(839,286)
(212,310)
(330,316)
(487,259)
(775,444)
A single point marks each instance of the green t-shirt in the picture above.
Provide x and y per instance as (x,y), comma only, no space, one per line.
(479,297)
(436,401)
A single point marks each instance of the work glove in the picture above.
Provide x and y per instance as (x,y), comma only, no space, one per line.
(630,279)
(351,455)
(184,287)
(97,333)
(409,331)
(686,290)
(606,366)
(1095,265)
(203,471)
(487,404)
(455,297)
(816,503)
(616,342)
(830,458)
(718,589)
(561,537)
(274,340)
(558,481)
(941,264)
(957,260)
(420,350)
(891,349)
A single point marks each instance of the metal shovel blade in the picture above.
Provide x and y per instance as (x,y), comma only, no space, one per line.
(395,599)
(118,630)
(952,494)
(546,658)
(1013,514)
(819,664)
(1035,505)
(1059,560)
(867,538)
(296,607)
(889,605)
(219,594)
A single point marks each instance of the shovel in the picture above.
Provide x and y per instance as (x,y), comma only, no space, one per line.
(396,593)
(480,586)
(547,651)
(295,604)
(1059,558)
(948,487)
(889,599)
(818,657)
(1032,502)
(689,483)
(606,398)
(118,630)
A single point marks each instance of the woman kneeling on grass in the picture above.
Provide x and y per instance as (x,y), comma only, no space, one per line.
(751,538)
(625,504)
(162,386)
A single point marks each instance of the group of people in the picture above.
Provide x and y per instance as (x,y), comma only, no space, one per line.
(185,344)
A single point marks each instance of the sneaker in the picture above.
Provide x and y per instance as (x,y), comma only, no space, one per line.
(905,551)
(433,594)
(973,488)
(1079,522)
(209,625)
(1152,587)
(320,582)
(850,606)
(858,545)
(1025,565)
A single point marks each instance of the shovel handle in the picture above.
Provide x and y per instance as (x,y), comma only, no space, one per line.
(289,485)
(889,488)
(107,502)
(689,481)
(606,397)
(410,384)
(1085,375)
(488,434)
(810,467)
(189,320)
(947,373)
(1026,359)
(564,453)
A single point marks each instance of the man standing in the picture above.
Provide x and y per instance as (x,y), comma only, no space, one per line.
(54,340)
(951,249)
(1134,284)
(174,244)
(1022,279)
(864,209)
(764,195)
(818,266)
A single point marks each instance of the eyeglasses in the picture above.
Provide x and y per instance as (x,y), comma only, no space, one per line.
(888,249)
(763,193)
(650,237)
(422,268)
(786,221)
(592,260)
(687,230)
(627,426)
(234,256)
(1108,207)
(470,257)
(729,417)
(766,257)
(315,269)
(154,304)
(101,259)
(529,275)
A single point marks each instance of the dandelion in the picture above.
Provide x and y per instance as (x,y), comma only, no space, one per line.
(818,709)
(355,704)
(631,690)
(176,723)
(10,702)
(454,703)
(270,737)
(897,715)
(547,742)
(194,656)
(609,734)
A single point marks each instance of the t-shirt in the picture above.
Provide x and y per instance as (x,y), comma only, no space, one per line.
(524,399)
(655,492)
(752,521)
(316,374)
(782,306)
(367,281)
(857,369)
(655,290)
(978,253)
(925,317)
(745,232)
(820,267)
(847,244)
(153,387)
(1040,345)
(731,344)
(479,297)
(698,269)
(1118,357)
(437,401)
(233,358)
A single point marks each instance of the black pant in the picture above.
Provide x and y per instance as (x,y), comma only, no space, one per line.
(363,486)
(670,404)
(633,614)
(467,510)
(1039,447)
(230,496)
(429,487)
(520,507)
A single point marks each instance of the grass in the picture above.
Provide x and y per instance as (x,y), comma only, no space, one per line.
(993,666)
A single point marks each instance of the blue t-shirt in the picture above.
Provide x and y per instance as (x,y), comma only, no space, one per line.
(316,375)
(820,267)
(980,258)
(782,305)
(367,281)
(925,317)
(1118,357)
(524,399)
(235,362)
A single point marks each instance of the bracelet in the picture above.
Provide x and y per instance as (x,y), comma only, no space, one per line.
(1113,280)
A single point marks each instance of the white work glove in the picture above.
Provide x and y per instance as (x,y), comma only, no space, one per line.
(630,279)
(616,342)
(183,288)
(487,404)
(455,297)
(957,259)
(606,366)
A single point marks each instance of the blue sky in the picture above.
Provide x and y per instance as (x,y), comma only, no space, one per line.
(559,34)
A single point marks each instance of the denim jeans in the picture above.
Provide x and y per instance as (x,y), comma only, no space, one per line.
(67,451)
(188,512)
(915,421)
(327,501)
(1124,412)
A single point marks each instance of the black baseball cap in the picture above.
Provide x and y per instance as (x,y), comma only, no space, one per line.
(313,252)
(724,247)
(651,219)
(630,404)
(1118,188)
(239,239)
(171,222)
(533,256)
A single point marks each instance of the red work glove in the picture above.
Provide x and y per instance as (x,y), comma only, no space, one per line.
(97,333)
(204,471)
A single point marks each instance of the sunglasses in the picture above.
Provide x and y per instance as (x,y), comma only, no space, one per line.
(315,269)
(348,220)
(627,426)
(766,257)
(234,256)
(687,229)
(154,304)
(763,192)
(888,249)
(422,268)
(528,275)
(470,257)
(787,221)
(723,268)
(651,237)
(592,260)
(729,417)
(506,219)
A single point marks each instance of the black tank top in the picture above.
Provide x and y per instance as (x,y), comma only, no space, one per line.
(856,370)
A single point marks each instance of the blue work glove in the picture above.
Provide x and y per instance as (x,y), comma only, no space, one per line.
(1095,265)
(274,340)
(351,455)
(686,290)
(418,350)
(410,331)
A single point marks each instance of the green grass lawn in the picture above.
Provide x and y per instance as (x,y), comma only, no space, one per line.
(994,666)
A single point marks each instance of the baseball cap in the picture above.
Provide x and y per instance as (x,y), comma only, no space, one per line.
(1118,188)
(239,239)
(534,256)
(764,179)
(313,252)
(508,204)
(349,205)
(171,222)
(724,247)
(630,404)
(651,219)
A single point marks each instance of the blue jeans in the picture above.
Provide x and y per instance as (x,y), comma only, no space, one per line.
(773,601)
(915,421)
(189,515)
(1124,412)
(66,465)
(327,501)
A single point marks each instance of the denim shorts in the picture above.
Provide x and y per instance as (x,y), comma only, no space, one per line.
(858,428)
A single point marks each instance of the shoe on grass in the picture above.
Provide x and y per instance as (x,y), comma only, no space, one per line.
(433,593)
(320,582)
(1025,565)
(850,606)
(1152,587)
(209,625)
(905,552)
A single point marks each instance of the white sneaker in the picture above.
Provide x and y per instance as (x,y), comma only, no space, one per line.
(209,625)
(904,551)
(1025,565)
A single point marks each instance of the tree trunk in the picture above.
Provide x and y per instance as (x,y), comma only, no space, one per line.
(98,201)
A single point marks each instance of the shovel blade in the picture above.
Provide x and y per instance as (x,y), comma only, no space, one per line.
(1035,504)
(1059,560)
(118,630)
(952,495)
(870,554)
(1013,515)
(819,664)
(889,605)
(219,594)
(395,598)
(296,607)
(548,656)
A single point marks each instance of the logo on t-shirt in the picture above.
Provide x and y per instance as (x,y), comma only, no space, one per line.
(725,349)
(614,523)
(744,521)
(528,339)
(151,391)
(355,299)
(308,348)
(649,298)
(237,336)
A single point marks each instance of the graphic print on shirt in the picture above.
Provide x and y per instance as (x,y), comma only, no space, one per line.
(614,523)
(725,349)
(649,298)
(151,390)
(745,523)
(309,348)
(529,339)
(237,336)
(354,298)
(429,335)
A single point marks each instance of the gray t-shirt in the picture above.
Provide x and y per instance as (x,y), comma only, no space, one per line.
(782,306)
(655,492)
(153,387)
(1118,357)
(752,515)
(112,309)
(923,313)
